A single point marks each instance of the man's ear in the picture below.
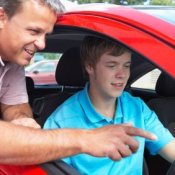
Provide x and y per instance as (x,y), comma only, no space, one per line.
(3,17)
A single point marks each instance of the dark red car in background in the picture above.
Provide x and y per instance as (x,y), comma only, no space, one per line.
(42,72)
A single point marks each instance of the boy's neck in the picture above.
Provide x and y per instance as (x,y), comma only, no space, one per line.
(103,106)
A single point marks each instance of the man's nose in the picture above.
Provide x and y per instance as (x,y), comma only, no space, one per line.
(40,43)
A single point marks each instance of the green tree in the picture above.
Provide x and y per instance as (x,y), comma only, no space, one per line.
(161,2)
(50,56)
(135,2)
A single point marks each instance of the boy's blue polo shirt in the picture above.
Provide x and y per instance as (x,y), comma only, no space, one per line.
(78,112)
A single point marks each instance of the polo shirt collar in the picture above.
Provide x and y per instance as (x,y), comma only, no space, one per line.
(1,62)
(91,112)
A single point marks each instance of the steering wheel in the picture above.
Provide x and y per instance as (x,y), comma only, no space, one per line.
(59,168)
(171,170)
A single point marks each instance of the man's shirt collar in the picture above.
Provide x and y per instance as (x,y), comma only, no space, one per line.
(1,62)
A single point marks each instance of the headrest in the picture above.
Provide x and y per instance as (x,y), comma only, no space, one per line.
(165,85)
(171,128)
(69,70)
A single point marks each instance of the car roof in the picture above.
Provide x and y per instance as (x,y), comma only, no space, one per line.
(123,14)
(122,24)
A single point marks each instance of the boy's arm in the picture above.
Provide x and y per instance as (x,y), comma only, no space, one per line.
(168,152)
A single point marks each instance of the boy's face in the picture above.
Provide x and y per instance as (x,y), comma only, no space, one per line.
(24,33)
(110,75)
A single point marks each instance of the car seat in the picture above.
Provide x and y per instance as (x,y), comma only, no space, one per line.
(164,107)
(30,89)
(69,76)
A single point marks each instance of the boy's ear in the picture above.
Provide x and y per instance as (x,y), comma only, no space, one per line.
(3,17)
(88,68)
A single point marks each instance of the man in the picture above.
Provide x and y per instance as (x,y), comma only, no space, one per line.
(24,25)
(103,102)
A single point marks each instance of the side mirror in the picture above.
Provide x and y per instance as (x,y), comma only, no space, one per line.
(35,71)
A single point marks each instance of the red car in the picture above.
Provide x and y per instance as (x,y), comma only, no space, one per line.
(151,39)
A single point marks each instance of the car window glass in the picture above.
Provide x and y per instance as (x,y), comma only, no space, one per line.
(149,80)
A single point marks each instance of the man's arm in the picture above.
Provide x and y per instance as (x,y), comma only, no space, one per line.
(11,112)
(168,152)
(19,114)
(25,145)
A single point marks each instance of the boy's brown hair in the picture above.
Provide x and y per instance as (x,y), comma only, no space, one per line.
(93,48)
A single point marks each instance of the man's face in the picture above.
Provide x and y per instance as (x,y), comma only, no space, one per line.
(110,75)
(24,34)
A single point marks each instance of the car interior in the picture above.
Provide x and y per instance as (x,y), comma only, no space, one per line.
(70,79)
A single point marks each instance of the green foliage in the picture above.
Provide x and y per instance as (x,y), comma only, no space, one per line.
(135,2)
(50,56)
(161,2)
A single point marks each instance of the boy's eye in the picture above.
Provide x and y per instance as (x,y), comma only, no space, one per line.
(111,65)
(128,65)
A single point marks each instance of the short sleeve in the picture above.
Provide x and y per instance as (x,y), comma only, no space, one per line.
(153,124)
(14,86)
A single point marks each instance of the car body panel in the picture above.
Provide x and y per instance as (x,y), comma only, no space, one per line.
(21,170)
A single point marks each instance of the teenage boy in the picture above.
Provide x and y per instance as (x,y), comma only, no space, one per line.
(103,102)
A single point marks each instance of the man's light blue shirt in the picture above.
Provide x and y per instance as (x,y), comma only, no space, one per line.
(78,112)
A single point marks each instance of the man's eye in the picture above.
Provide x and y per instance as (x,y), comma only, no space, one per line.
(34,32)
